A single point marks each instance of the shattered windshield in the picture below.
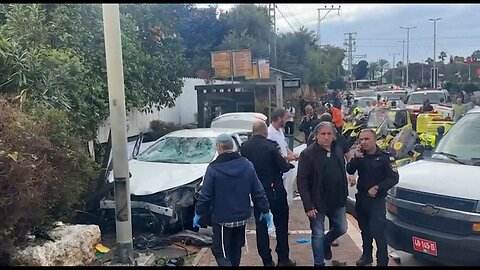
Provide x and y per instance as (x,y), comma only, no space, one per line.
(184,150)
(462,141)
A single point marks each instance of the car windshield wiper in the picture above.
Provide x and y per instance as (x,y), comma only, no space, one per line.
(450,156)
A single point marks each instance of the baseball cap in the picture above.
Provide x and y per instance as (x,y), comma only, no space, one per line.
(224,137)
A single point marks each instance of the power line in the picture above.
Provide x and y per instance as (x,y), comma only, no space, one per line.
(294,15)
(281,13)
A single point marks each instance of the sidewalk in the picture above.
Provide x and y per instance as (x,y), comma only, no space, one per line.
(349,249)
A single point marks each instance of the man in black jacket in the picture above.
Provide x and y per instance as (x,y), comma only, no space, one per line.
(307,124)
(377,174)
(322,184)
(227,185)
(270,165)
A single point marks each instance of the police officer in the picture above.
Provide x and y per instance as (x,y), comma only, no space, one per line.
(377,174)
(269,166)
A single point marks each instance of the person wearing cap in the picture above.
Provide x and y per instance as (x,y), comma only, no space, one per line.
(229,182)
(270,165)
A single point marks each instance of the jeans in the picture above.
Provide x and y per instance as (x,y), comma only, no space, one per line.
(338,224)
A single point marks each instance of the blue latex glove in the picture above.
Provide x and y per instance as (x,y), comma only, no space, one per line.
(267,217)
(196,218)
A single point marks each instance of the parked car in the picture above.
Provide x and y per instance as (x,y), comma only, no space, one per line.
(165,177)
(434,211)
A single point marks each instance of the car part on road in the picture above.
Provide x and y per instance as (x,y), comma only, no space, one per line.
(191,238)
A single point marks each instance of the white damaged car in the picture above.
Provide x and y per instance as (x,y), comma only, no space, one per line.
(165,177)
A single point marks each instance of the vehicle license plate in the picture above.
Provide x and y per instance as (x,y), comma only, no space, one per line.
(425,246)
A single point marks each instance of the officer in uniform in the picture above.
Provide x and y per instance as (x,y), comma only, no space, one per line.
(269,166)
(377,174)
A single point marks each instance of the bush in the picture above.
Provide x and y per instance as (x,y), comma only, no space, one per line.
(44,172)
(160,128)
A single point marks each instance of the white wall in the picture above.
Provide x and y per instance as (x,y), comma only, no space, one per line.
(182,113)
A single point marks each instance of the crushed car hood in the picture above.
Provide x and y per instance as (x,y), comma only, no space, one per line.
(152,177)
(442,178)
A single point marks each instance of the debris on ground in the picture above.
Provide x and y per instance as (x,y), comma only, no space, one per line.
(339,263)
(395,257)
(303,241)
(191,238)
(101,248)
(161,261)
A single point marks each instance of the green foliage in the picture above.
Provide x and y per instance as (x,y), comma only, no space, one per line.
(44,172)
(361,70)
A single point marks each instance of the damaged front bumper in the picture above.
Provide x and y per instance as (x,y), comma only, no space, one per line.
(161,210)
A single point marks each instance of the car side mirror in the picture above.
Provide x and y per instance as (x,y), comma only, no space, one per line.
(419,148)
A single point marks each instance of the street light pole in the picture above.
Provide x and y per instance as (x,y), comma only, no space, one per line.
(408,47)
(393,67)
(434,77)
(118,123)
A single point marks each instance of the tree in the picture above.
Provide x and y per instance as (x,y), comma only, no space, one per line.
(429,61)
(382,65)
(476,56)
(442,56)
(373,69)
(361,70)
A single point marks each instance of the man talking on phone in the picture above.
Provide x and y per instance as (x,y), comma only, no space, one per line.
(377,173)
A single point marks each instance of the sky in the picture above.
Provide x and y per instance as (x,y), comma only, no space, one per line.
(378,32)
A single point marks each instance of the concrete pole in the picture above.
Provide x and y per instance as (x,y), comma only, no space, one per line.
(408,49)
(118,120)
(434,79)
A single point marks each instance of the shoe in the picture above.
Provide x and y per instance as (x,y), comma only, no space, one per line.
(327,251)
(334,243)
(271,263)
(287,263)
(363,261)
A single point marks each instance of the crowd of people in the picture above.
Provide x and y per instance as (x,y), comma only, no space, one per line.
(257,170)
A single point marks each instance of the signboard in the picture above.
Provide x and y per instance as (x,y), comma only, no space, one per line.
(232,63)
(434,78)
(242,63)
(263,69)
(221,63)
(478,71)
(291,83)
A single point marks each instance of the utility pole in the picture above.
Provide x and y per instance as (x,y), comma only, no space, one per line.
(434,77)
(118,122)
(319,20)
(272,14)
(350,43)
(408,46)
(393,66)
(403,61)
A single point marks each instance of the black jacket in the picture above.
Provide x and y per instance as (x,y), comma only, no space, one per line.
(309,176)
(308,125)
(227,185)
(267,160)
(376,169)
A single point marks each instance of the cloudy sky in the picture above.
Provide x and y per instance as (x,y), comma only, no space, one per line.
(378,27)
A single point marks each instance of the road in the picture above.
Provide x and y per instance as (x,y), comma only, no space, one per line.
(405,258)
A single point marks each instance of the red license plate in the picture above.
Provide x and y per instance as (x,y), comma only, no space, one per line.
(425,246)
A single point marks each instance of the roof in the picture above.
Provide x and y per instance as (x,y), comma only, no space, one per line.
(205,132)
(475,109)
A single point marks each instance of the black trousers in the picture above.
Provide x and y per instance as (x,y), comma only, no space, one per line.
(279,208)
(227,244)
(289,128)
(371,217)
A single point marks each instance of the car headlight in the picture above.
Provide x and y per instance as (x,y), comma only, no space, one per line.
(392,192)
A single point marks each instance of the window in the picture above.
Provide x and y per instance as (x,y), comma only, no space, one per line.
(462,140)
(183,150)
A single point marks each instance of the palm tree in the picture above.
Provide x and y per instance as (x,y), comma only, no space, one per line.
(442,56)
(382,65)
(372,69)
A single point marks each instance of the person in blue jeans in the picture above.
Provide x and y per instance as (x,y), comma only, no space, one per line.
(322,184)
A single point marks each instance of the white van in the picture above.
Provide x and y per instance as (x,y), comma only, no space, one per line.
(434,211)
